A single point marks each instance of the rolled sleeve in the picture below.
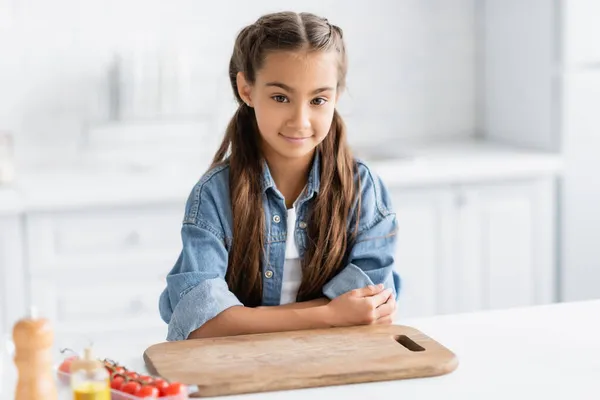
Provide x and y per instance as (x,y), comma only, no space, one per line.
(371,262)
(350,278)
(202,303)
(196,288)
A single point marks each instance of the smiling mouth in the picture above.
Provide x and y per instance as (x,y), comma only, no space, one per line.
(300,138)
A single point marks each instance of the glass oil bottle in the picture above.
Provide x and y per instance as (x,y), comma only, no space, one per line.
(89,378)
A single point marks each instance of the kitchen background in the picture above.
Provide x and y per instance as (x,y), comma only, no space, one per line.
(481,115)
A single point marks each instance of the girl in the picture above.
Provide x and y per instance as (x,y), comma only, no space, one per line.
(286,230)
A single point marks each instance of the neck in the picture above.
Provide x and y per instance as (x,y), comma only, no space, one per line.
(290,175)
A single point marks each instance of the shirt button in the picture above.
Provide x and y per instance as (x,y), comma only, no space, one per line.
(276,218)
(269,274)
(302,224)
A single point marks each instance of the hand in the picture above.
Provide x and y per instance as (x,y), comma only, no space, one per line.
(366,306)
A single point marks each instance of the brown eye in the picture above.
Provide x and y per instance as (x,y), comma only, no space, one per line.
(319,101)
(280,99)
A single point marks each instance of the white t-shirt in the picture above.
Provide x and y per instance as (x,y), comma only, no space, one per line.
(292,270)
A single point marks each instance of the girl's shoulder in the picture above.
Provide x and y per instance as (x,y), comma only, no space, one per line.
(369,179)
(375,197)
(364,171)
(209,195)
(214,175)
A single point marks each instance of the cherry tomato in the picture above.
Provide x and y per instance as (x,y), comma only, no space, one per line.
(147,392)
(131,387)
(65,366)
(145,379)
(117,382)
(161,385)
(132,375)
(65,369)
(118,370)
(174,388)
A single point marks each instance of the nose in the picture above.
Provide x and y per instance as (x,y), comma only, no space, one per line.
(301,117)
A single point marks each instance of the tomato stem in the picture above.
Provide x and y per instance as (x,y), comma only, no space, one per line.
(112,362)
(66,349)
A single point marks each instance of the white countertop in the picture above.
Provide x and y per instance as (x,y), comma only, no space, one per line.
(400,165)
(540,352)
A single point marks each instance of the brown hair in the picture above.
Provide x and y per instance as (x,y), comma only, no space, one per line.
(328,238)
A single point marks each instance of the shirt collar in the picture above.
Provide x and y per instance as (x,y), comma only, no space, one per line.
(314,180)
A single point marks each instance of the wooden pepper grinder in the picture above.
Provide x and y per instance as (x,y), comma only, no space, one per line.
(33,338)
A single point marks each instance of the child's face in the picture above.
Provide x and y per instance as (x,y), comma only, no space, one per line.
(294,98)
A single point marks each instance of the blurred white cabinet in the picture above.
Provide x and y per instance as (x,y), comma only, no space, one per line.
(474,247)
(423,253)
(580,196)
(506,241)
(102,270)
(581,31)
(12,274)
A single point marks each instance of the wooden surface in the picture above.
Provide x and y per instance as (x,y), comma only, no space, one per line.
(300,359)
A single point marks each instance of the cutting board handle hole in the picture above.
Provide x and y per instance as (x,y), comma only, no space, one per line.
(408,343)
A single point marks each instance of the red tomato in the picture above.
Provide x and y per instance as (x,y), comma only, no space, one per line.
(119,370)
(174,388)
(147,392)
(117,382)
(145,379)
(131,387)
(65,366)
(65,369)
(161,385)
(132,375)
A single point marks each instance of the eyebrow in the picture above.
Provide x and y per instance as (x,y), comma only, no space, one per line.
(291,90)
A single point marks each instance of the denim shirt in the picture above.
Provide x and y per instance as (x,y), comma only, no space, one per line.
(196,290)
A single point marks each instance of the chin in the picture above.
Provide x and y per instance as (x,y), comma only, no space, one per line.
(297,152)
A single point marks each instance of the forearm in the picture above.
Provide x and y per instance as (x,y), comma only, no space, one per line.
(302,304)
(241,320)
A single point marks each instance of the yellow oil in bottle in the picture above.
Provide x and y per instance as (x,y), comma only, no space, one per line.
(91,391)
(89,379)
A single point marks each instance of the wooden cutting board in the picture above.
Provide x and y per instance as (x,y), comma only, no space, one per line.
(300,359)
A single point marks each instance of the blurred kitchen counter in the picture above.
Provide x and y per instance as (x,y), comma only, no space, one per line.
(10,201)
(400,165)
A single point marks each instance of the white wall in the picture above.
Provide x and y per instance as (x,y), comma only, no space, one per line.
(519,83)
(412,62)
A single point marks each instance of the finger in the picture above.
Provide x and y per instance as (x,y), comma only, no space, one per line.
(368,291)
(384,320)
(387,308)
(380,298)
